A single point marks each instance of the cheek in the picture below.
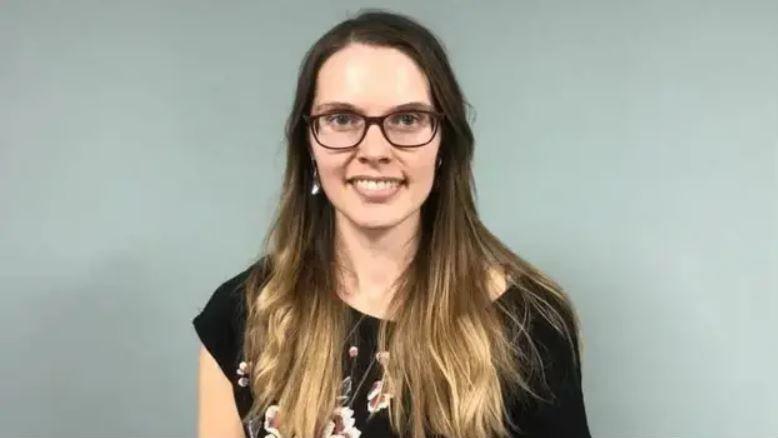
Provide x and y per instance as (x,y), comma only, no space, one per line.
(331,175)
(423,175)
(422,179)
(331,172)
(426,170)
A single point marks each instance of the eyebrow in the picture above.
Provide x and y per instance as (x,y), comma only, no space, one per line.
(347,106)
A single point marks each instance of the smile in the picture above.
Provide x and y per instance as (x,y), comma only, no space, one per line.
(378,189)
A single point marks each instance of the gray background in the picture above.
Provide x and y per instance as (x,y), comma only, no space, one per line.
(626,148)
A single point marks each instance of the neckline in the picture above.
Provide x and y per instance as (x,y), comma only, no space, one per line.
(368,317)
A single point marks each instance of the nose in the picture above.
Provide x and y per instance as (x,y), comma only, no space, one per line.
(374,147)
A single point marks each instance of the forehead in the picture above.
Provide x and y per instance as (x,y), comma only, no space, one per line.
(371,78)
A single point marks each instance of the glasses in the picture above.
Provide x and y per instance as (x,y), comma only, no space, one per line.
(346,129)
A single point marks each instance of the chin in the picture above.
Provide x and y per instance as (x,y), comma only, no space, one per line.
(374,220)
(375,223)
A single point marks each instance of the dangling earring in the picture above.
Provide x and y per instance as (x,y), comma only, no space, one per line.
(315,188)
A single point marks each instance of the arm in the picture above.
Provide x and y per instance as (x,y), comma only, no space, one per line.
(217,415)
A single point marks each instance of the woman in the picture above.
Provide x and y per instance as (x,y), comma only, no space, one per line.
(382,306)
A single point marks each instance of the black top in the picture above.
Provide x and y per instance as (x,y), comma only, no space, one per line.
(220,328)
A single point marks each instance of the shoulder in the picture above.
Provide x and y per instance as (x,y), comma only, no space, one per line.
(549,332)
(557,339)
(225,301)
(220,323)
(545,328)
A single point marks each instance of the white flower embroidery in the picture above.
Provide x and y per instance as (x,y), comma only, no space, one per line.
(271,423)
(375,400)
(345,391)
(342,424)
(242,371)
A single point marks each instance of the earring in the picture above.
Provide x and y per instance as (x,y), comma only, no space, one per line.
(440,161)
(315,188)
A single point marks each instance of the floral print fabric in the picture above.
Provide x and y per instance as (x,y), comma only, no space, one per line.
(342,423)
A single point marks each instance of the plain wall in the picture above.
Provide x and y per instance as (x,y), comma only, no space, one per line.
(626,148)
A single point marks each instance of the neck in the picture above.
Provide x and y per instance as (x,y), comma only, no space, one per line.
(372,260)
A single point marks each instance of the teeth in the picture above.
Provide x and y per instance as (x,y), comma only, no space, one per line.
(375,185)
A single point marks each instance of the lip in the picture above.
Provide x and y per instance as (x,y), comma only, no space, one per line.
(376,196)
(377,178)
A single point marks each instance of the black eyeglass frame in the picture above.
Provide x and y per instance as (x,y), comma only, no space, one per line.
(437,117)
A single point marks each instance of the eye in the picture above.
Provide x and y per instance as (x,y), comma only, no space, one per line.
(341,119)
(408,119)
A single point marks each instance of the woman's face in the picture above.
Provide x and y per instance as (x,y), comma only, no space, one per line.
(374,81)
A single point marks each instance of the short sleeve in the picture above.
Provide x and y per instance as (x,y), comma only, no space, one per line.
(564,416)
(219,325)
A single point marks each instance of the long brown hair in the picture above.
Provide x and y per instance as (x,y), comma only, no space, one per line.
(455,377)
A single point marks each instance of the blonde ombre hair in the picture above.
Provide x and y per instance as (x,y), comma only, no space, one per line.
(467,355)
